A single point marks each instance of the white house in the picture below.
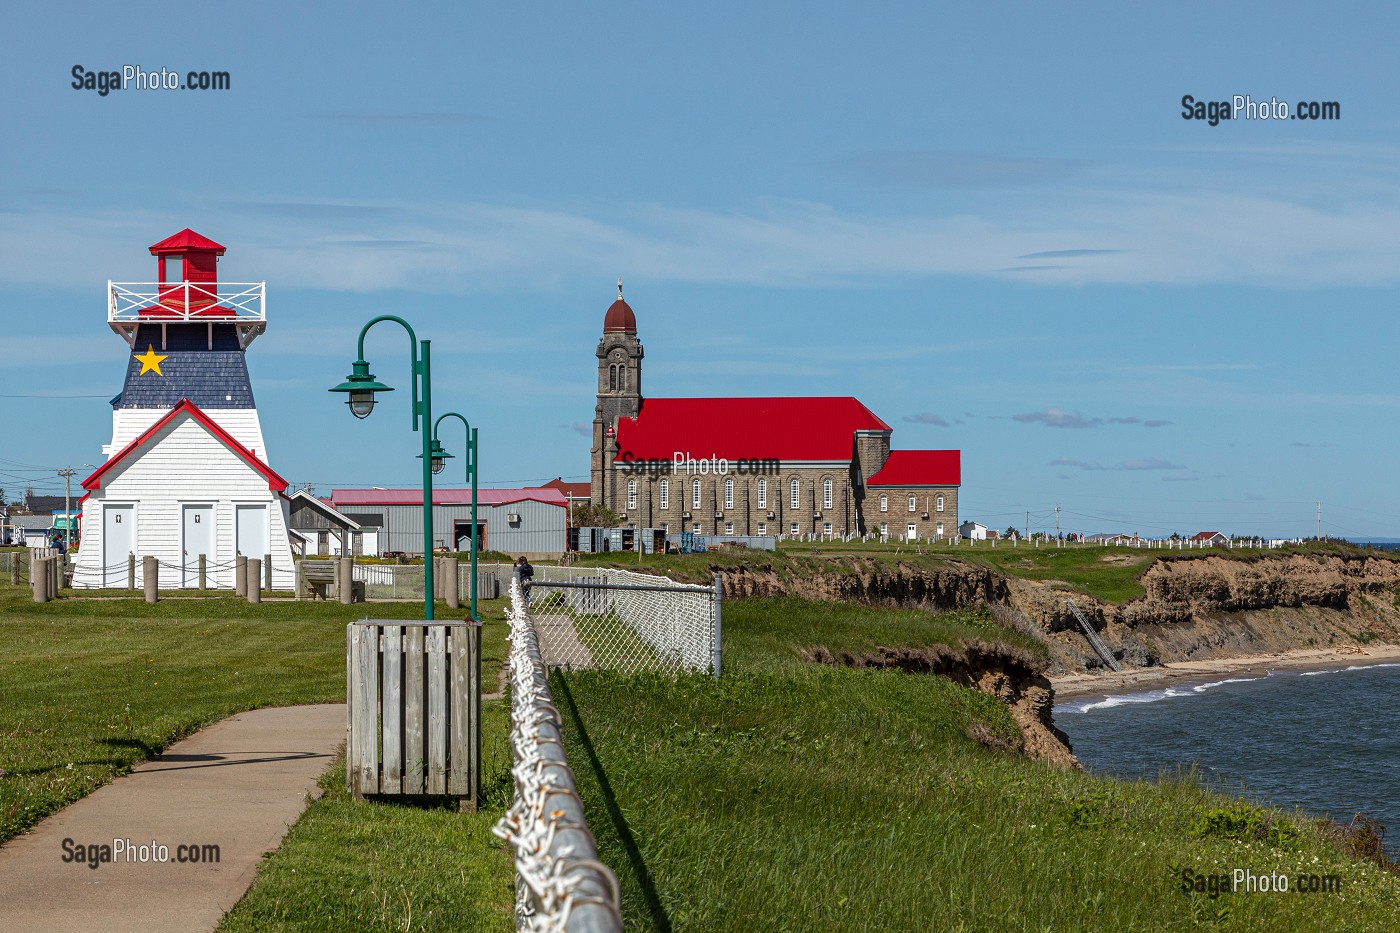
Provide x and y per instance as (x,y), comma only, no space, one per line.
(184,487)
(974,530)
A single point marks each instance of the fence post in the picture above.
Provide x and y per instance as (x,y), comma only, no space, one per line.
(267,572)
(347,579)
(130,570)
(240,576)
(450,582)
(57,568)
(38,581)
(150,574)
(719,614)
(202,577)
(254,580)
(14,570)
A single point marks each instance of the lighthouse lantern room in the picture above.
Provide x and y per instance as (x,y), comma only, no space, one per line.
(186,473)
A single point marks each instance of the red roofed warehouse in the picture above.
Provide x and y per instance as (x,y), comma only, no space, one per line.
(517,521)
(756,466)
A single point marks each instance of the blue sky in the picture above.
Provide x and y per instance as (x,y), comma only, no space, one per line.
(991,224)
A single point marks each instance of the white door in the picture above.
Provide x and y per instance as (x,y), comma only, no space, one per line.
(911,531)
(118,541)
(252,530)
(197,522)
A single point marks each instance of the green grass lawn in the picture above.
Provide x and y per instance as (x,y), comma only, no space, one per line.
(93,686)
(796,797)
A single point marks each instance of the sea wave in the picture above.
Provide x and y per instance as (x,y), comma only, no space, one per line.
(1152,696)
(1343,670)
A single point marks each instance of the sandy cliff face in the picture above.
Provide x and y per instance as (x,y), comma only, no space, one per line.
(1217,607)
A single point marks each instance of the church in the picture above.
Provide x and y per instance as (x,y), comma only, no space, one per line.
(779,466)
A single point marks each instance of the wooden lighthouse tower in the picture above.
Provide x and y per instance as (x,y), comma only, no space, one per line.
(186,472)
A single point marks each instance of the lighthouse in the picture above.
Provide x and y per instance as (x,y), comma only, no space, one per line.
(186,473)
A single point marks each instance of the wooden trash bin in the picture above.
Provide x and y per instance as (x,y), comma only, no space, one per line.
(413,692)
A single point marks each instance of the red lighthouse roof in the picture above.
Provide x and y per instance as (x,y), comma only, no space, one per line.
(187,241)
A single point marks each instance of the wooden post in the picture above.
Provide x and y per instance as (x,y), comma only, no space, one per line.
(240,576)
(14,570)
(38,578)
(203,579)
(347,579)
(267,572)
(130,571)
(254,580)
(150,574)
(449,582)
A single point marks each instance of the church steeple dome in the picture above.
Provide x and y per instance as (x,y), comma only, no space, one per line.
(619,319)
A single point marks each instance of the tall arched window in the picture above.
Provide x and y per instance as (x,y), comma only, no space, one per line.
(763,493)
(793,498)
(695,494)
(631,494)
(826,493)
(665,494)
(729,494)
(884,503)
(938,503)
(622,377)
(612,377)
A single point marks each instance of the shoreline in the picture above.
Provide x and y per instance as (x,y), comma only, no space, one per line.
(1132,681)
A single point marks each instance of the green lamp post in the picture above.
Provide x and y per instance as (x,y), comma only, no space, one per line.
(440,461)
(360,387)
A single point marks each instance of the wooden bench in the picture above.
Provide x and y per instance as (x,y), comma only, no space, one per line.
(315,578)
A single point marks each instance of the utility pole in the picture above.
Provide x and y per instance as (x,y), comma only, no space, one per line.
(1319,519)
(67,473)
(1057,524)
(1028,526)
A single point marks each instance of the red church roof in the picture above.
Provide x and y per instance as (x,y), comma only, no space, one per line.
(920,468)
(185,240)
(788,429)
(274,482)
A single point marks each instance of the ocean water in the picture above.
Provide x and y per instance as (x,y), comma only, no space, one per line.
(1326,740)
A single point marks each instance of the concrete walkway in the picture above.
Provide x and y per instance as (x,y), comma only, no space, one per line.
(237,785)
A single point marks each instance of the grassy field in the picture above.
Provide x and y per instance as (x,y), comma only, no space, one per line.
(93,686)
(795,797)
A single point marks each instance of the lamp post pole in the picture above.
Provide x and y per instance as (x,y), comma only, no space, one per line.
(440,455)
(361,386)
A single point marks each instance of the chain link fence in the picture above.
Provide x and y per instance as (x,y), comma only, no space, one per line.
(560,885)
(625,621)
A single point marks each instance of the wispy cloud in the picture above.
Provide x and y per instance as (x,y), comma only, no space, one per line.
(1305,444)
(932,168)
(1059,418)
(1180,479)
(1147,463)
(385,119)
(1182,234)
(928,417)
(582,428)
(1068,253)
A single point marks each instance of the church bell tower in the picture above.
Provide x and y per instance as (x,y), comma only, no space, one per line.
(619,392)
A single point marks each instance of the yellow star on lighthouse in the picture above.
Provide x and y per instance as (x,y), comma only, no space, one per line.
(150,361)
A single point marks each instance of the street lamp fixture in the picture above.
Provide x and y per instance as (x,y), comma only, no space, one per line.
(471,477)
(437,456)
(360,387)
